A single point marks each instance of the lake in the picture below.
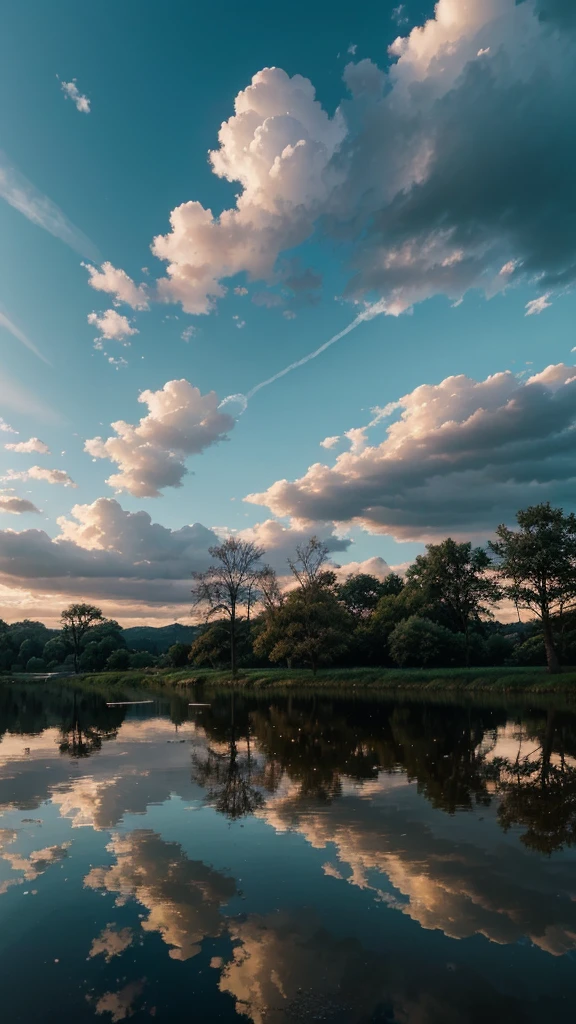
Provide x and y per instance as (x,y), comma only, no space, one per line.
(285,859)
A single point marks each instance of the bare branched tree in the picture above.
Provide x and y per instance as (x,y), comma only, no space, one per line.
(229,584)
(269,592)
(308,566)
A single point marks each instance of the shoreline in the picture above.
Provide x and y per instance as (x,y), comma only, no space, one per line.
(507,681)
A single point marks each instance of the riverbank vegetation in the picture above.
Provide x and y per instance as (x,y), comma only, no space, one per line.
(503,680)
(439,617)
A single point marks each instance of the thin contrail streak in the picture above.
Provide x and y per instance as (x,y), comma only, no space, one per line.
(367,314)
(17,333)
(23,196)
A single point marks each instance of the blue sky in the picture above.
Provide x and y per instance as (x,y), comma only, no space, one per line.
(160,80)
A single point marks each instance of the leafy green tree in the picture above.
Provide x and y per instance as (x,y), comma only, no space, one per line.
(55,651)
(142,659)
(108,630)
(455,577)
(95,653)
(392,585)
(31,648)
(537,564)
(118,660)
(310,627)
(178,654)
(212,646)
(229,584)
(498,649)
(360,594)
(420,643)
(36,665)
(76,621)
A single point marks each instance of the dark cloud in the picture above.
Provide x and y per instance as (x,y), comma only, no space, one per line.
(499,187)
(17,506)
(107,553)
(463,457)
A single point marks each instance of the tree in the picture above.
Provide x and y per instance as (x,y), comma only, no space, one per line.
(142,659)
(229,584)
(118,661)
(212,646)
(392,585)
(55,652)
(421,643)
(455,577)
(228,774)
(308,566)
(178,655)
(36,665)
(311,626)
(537,563)
(76,620)
(360,594)
(269,591)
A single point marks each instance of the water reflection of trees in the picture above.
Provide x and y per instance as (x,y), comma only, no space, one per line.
(85,725)
(229,774)
(537,789)
(83,719)
(446,750)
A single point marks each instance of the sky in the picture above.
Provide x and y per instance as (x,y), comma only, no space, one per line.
(191,202)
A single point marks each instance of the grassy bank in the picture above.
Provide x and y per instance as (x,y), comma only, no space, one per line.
(473,680)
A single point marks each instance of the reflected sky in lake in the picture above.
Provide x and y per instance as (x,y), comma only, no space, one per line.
(285,859)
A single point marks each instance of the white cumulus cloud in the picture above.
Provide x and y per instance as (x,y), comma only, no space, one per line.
(330,442)
(277,145)
(33,444)
(49,476)
(116,282)
(152,454)
(112,325)
(426,197)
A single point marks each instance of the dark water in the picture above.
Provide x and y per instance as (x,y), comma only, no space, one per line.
(285,860)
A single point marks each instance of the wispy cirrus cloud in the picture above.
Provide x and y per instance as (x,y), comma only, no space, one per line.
(23,196)
(536,306)
(17,333)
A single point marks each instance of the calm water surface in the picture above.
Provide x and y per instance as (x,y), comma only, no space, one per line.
(284,860)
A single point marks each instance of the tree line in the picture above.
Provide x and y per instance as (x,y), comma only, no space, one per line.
(440,615)
(85,642)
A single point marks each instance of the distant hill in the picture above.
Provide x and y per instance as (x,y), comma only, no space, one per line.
(157,639)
